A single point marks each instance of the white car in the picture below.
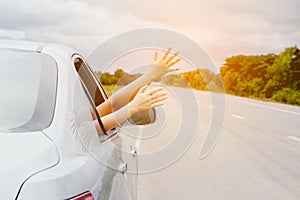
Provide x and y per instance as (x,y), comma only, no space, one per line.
(49,147)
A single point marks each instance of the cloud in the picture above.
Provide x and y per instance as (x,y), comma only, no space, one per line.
(224,28)
(70,22)
(248,23)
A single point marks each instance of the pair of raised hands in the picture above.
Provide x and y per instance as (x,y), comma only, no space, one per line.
(146,98)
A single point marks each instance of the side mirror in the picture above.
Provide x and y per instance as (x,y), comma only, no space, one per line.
(143,118)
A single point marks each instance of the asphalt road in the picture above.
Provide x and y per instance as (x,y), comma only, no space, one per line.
(257,156)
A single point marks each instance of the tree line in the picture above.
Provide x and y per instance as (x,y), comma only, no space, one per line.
(268,77)
(119,77)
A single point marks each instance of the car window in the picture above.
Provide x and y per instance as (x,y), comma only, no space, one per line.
(90,84)
(27,87)
(83,124)
(90,81)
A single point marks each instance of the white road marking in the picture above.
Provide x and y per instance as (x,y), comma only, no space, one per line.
(264,106)
(294,138)
(237,116)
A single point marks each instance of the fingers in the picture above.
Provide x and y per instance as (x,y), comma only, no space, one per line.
(166,54)
(155,90)
(159,95)
(173,69)
(151,92)
(143,88)
(156,95)
(174,62)
(165,60)
(171,57)
(155,56)
(159,99)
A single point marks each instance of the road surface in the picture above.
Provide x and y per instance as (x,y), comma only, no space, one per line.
(257,156)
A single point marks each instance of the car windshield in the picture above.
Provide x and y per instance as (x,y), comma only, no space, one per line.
(27,90)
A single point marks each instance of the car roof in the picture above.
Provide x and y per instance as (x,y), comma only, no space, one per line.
(55,50)
(21,45)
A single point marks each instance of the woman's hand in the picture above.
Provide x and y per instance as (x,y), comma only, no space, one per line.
(122,97)
(162,66)
(145,100)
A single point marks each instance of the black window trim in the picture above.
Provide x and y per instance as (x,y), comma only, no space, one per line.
(91,100)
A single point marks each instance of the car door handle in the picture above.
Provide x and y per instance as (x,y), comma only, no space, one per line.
(122,168)
(133,151)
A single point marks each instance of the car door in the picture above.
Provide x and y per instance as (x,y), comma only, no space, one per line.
(119,179)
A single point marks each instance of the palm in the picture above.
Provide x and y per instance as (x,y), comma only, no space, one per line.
(163,66)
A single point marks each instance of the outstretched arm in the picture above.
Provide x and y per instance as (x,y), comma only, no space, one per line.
(126,94)
(144,100)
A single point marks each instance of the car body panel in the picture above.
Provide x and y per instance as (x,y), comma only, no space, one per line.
(21,151)
(83,161)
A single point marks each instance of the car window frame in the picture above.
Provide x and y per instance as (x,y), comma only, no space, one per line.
(87,90)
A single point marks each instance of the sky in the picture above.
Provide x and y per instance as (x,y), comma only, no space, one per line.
(222,27)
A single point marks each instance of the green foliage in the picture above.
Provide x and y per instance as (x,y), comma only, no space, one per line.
(287,95)
(200,79)
(107,79)
(177,80)
(118,78)
(274,77)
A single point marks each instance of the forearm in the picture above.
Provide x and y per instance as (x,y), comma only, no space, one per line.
(113,119)
(122,96)
(128,92)
(143,100)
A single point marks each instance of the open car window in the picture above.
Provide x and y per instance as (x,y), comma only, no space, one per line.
(92,88)
(90,82)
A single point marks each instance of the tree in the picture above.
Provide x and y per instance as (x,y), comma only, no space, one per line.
(281,74)
(119,73)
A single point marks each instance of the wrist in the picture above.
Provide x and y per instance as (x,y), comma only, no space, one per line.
(131,109)
(148,77)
